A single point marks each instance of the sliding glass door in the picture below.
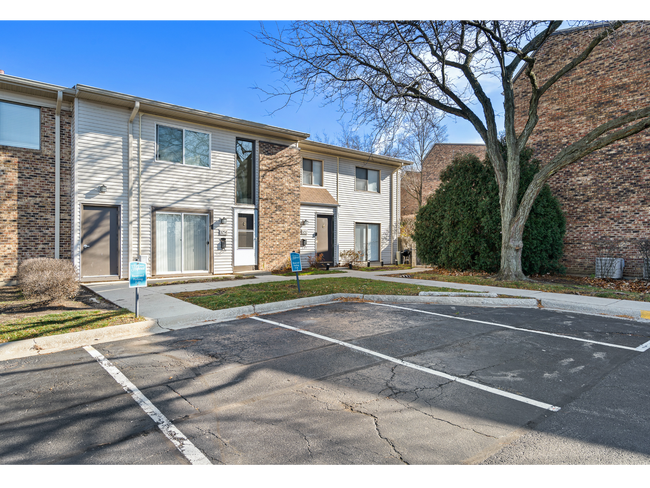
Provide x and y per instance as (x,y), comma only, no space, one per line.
(182,243)
(366,241)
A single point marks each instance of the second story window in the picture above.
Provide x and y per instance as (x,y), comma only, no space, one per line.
(312,172)
(182,146)
(367,180)
(245,164)
(20,126)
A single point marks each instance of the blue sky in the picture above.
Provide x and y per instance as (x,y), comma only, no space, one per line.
(207,65)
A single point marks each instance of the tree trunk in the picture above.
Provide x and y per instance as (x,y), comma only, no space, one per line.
(511,249)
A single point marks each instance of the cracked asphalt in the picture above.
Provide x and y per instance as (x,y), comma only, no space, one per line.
(249,392)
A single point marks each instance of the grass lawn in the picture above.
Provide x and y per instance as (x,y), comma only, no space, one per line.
(256,294)
(21,318)
(567,285)
(62,322)
(199,280)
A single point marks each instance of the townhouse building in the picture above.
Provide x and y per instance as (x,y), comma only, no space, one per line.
(188,191)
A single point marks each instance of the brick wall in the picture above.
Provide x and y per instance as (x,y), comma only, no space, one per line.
(27,198)
(279,206)
(606,194)
(440,156)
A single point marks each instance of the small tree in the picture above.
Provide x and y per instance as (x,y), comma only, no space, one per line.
(459,227)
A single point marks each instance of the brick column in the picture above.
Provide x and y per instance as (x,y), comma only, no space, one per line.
(279,206)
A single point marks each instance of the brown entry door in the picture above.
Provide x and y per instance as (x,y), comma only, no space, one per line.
(325,237)
(99,241)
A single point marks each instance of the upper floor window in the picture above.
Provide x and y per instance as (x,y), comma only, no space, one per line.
(20,126)
(367,180)
(244,171)
(182,146)
(312,172)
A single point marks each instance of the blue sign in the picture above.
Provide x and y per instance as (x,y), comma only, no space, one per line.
(296,265)
(137,274)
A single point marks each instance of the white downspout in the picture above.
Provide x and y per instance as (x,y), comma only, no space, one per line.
(392,211)
(136,109)
(57,176)
(337,247)
(140,189)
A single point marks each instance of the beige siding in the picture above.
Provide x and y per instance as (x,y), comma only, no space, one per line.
(356,206)
(100,147)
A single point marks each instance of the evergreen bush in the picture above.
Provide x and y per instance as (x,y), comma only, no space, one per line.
(460,225)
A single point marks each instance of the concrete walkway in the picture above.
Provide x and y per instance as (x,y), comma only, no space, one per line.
(166,313)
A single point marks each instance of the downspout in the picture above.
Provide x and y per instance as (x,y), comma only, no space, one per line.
(392,211)
(136,109)
(140,189)
(336,248)
(57,175)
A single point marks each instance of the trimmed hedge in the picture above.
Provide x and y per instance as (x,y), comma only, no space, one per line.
(460,225)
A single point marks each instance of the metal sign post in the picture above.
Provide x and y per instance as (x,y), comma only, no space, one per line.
(296,266)
(137,279)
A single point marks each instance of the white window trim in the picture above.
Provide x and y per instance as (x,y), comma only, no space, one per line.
(378,180)
(208,233)
(171,126)
(368,223)
(322,172)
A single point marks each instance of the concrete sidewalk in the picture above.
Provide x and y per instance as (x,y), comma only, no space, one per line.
(166,313)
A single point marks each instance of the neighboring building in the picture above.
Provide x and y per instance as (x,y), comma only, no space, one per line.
(440,156)
(32,159)
(606,194)
(190,191)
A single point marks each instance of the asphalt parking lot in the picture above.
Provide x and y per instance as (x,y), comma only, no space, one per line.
(342,383)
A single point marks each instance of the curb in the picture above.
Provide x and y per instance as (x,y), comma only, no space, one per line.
(72,340)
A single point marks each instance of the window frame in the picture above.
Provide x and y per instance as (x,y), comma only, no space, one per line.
(40,125)
(184,129)
(366,224)
(322,172)
(182,211)
(356,179)
(253,172)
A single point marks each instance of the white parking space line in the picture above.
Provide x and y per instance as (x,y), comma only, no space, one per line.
(181,442)
(637,349)
(643,347)
(512,396)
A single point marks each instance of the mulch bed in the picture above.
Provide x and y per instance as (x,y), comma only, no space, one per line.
(13,306)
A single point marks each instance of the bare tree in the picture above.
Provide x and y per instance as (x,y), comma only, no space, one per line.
(384,70)
(422,132)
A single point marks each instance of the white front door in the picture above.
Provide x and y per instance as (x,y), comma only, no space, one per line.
(245,237)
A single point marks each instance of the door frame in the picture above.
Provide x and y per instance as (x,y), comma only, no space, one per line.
(118,276)
(235,240)
(183,210)
(330,235)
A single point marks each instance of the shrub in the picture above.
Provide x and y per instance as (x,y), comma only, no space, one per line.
(48,280)
(350,257)
(314,260)
(460,225)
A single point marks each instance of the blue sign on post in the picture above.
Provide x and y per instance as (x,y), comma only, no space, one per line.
(137,279)
(296,266)
(137,274)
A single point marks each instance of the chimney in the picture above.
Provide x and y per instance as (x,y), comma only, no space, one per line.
(2,72)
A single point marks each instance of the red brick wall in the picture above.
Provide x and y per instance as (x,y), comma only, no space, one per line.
(279,206)
(606,194)
(27,198)
(440,156)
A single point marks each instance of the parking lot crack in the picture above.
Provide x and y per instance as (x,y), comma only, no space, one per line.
(352,409)
(180,395)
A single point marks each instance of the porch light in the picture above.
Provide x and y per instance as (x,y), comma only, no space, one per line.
(102,188)
(224,220)
(303,222)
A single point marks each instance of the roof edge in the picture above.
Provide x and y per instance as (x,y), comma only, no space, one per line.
(321,147)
